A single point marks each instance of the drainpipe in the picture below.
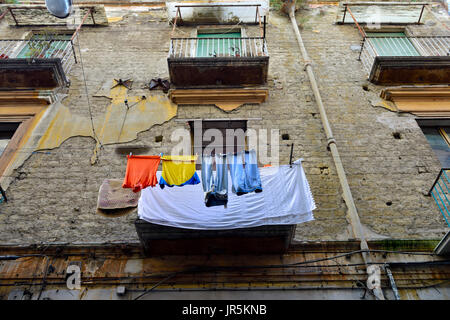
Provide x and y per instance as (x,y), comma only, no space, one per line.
(289,7)
(392,281)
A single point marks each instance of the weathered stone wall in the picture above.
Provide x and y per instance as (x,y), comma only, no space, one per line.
(388,176)
(54,194)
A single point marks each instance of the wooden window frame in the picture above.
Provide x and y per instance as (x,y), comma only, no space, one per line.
(444,135)
(218,29)
(213,124)
(387,29)
(22,107)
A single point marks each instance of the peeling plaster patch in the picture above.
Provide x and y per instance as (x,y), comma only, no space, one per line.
(371,235)
(119,124)
(114,19)
(393,122)
(104,90)
(378,102)
(134,266)
(55,124)
(228,107)
(345,234)
(117,13)
(93,266)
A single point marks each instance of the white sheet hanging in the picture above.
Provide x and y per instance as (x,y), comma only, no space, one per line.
(286,199)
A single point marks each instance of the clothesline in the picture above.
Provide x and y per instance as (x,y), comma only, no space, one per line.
(226,154)
(178,170)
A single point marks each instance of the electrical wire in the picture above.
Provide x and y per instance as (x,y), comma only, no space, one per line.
(302,262)
(160,282)
(218,268)
(43,283)
(87,93)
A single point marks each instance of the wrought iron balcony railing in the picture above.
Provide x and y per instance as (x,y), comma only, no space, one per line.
(440,191)
(39,49)
(402,46)
(217,47)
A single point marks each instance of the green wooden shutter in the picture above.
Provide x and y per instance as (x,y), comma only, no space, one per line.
(391,44)
(222,45)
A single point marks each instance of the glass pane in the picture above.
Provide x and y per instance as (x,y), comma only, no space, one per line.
(391,44)
(223,44)
(438,144)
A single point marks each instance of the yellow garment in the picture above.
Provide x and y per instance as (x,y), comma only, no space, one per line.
(177,170)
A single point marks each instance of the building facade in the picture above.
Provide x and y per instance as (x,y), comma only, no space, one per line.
(80,94)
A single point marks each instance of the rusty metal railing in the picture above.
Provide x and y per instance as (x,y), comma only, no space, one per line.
(39,49)
(217,47)
(440,191)
(422,46)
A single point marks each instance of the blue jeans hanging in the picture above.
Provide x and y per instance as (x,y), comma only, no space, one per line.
(244,179)
(215,187)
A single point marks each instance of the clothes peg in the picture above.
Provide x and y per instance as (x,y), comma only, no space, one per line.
(290,158)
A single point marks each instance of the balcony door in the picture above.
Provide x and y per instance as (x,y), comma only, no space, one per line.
(219,44)
(391,44)
(45,46)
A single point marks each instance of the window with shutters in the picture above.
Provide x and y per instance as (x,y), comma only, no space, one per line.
(391,44)
(218,136)
(219,44)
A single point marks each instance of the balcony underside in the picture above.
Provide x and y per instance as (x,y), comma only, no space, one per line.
(158,239)
(410,70)
(186,72)
(31,74)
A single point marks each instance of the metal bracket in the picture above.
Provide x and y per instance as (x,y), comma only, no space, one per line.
(126,83)
(307,63)
(330,141)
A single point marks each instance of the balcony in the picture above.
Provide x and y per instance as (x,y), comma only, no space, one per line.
(157,239)
(218,61)
(397,60)
(35,64)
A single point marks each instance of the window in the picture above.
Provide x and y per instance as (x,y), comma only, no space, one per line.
(19,111)
(438,138)
(215,140)
(222,44)
(391,44)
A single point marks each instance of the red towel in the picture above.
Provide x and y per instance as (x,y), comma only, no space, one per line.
(141,172)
